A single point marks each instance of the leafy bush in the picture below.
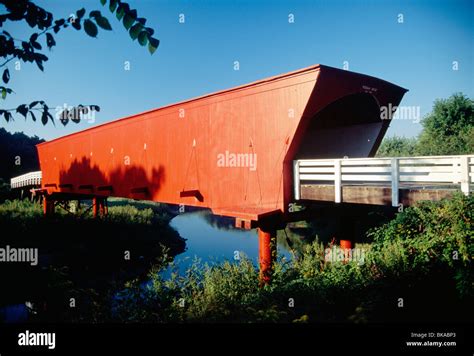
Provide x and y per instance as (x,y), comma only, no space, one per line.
(429,235)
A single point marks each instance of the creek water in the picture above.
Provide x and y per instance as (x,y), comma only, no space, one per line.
(214,239)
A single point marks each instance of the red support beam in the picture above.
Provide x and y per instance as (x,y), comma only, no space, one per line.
(48,206)
(346,246)
(99,207)
(94,207)
(266,252)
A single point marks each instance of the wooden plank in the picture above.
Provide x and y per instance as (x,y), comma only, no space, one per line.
(464,175)
(337,181)
(365,162)
(317,177)
(373,195)
(366,178)
(395,180)
(426,169)
(296,179)
(434,177)
(434,161)
(347,177)
(411,196)
(385,169)
(350,194)
(317,192)
(315,163)
(367,195)
(406,177)
(317,170)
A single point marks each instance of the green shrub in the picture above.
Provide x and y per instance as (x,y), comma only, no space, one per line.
(429,235)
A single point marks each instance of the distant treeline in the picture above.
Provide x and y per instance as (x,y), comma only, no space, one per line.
(18,153)
(447,130)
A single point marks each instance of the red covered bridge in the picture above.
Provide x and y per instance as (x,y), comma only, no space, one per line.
(230,151)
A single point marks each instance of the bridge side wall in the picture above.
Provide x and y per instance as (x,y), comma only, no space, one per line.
(224,152)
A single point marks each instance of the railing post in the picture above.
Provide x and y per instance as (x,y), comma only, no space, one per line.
(464,170)
(337,181)
(394,168)
(296,179)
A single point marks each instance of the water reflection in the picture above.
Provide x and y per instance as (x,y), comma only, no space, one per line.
(213,238)
(16,313)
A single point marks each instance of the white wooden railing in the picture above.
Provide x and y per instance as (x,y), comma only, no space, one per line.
(28,179)
(396,172)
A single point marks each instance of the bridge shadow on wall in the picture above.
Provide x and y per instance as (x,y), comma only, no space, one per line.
(128,181)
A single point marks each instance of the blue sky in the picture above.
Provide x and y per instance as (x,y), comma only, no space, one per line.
(197,57)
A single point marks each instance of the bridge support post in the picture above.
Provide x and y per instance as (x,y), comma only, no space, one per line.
(346,247)
(94,207)
(266,253)
(99,207)
(346,232)
(48,206)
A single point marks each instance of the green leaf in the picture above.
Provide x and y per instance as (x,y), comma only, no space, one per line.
(103,23)
(113,5)
(60,22)
(76,24)
(103,2)
(95,13)
(50,42)
(153,44)
(22,109)
(90,28)
(6,76)
(4,93)
(80,13)
(128,21)
(135,30)
(36,45)
(150,31)
(143,38)
(39,63)
(33,104)
(7,116)
(44,117)
(33,41)
(120,13)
